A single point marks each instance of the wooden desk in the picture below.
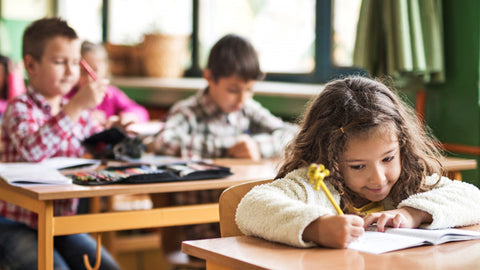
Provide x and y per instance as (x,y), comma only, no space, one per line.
(40,199)
(455,166)
(245,252)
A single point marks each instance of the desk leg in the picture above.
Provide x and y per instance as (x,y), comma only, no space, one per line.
(109,237)
(45,236)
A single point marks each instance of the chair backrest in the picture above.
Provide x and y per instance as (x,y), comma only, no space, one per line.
(228,202)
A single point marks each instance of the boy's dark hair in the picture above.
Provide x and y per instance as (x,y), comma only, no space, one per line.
(234,55)
(40,31)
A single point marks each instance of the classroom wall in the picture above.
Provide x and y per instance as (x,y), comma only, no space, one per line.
(11,37)
(452,108)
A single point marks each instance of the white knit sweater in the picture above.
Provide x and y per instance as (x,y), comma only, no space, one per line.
(280,211)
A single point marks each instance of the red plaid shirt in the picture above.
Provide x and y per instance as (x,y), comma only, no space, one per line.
(30,133)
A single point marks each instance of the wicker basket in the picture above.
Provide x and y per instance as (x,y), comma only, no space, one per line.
(124,60)
(164,55)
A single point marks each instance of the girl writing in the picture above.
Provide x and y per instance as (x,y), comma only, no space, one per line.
(384,169)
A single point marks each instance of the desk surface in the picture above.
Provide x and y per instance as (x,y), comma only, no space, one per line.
(253,253)
(243,170)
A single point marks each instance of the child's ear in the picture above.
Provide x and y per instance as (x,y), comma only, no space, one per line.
(29,62)
(207,75)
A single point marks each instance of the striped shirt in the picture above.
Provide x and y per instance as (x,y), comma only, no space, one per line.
(31,134)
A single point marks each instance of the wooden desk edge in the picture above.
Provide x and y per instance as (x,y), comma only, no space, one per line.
(223,261)
(459,164)
(213,263)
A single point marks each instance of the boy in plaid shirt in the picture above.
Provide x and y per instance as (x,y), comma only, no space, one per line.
(222,121)
(41,124)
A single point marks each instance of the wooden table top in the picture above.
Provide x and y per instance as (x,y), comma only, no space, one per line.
(243,170)
(246,252)
(459,164)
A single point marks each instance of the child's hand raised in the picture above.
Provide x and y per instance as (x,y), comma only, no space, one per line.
(92,93)
(87,97)
(336,231)
(405,217)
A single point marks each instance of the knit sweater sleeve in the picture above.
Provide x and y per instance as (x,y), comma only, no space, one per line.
(451,203)
(280,211)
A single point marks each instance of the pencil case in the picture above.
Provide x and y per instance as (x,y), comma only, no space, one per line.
(139,174)
(113,143)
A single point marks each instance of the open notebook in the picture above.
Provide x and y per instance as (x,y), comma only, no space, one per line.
(23,174)
(395,239)
(45,172)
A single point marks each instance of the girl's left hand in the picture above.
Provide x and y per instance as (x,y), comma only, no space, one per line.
(405,217)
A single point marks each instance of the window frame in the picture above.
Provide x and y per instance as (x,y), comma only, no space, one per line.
(324,69)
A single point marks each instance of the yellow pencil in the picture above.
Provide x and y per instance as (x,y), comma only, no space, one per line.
(316,174)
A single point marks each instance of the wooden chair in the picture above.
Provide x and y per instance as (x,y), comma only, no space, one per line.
(228,202)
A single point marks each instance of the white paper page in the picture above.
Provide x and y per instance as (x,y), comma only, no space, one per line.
(438,236)
(28,174)
(146,129)
(378,242)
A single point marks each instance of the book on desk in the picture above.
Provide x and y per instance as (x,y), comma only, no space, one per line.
(46,172)
(402,238)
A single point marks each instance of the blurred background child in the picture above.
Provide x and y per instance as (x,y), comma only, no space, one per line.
(220,121)
(42,124)
(223,120)
(116,106)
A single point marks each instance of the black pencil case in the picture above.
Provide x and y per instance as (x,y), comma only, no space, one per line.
(138,174)
(113,143)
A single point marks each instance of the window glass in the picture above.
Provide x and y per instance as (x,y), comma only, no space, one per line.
(84,16)
(129,20)
(282,31)
(345,18)
(24,9)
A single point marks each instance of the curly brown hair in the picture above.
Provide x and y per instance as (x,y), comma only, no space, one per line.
(352,107)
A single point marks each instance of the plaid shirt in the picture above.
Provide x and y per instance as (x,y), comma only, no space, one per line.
(30,133)
(198,128)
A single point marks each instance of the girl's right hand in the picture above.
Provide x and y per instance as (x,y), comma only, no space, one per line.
(335,231)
